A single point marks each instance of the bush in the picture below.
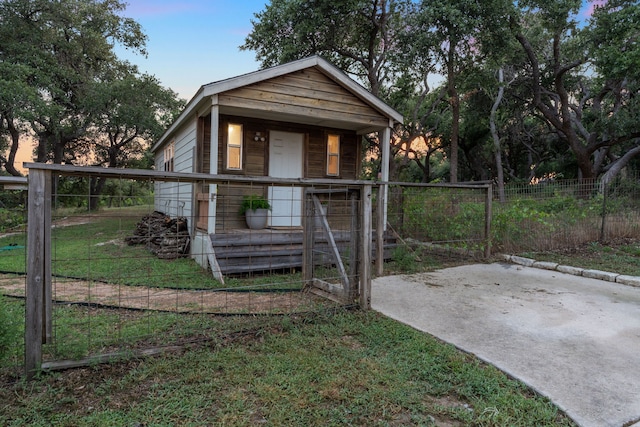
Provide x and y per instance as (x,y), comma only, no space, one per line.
(10,218)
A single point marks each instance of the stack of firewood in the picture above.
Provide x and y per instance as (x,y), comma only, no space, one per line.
(166,237)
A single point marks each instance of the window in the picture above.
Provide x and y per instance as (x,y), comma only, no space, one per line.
(333,155)
(234,146)
(168,157)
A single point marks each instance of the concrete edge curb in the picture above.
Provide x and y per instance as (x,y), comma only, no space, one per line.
(576,271)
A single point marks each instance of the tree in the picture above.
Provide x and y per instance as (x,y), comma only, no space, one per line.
(65,48)
(586,91)
(448,38)
(129,112)
(356,35)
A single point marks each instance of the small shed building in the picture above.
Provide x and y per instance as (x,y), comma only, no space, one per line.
(303,119)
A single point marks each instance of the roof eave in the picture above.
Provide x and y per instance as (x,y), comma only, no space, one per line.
(232,83)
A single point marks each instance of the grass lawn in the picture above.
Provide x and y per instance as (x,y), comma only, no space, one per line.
(621,256)
(92,247)
(343,368)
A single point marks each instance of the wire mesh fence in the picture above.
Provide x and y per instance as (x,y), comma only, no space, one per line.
(160,260)
(153,263)
(428,222)
(566,213)
(12,251)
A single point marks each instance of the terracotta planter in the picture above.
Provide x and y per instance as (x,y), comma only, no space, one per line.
(257,219)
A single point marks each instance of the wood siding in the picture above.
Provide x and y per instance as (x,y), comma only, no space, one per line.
(174,198)
(256,154)
(256,161)
(203,153)
(304,93)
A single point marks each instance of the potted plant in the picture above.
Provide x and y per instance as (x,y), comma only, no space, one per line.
(255,208)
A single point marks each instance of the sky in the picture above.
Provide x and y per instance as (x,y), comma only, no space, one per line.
(195,42)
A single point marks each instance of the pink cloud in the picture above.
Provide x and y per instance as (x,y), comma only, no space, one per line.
(592,5)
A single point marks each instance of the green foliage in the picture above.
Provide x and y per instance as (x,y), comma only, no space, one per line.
(73,192)
(10,328)
(353,34)
(613,38)
(404,260)
(62,81)
(439,216)
(11,218)
(517,220)
(547,215)
(253,202)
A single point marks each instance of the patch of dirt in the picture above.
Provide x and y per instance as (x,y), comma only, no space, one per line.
(593,250)
(174,300)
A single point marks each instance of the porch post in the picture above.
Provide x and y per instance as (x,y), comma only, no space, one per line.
(385,148)
(213,163)
(383,193)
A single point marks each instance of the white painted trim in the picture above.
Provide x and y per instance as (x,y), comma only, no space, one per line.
(213,164)
(215,128)
(385,148)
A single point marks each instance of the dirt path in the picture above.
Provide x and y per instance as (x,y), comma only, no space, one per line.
(175,300)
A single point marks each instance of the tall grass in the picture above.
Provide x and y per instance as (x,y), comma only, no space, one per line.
(540,220)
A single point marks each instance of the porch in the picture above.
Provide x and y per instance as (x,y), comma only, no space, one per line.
(244,251)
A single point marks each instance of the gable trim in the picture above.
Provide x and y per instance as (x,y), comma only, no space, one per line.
(331,71)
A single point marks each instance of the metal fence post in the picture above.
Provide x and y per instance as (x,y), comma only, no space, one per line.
(488,213)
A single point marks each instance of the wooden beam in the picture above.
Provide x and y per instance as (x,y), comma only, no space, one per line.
(385,146)
(353,247)
(303,111)
(365,245)
(307,241)
(39,192)
(184,177)
(47,293)
(213,262)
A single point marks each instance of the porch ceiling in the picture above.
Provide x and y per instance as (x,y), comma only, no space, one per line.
(313,120)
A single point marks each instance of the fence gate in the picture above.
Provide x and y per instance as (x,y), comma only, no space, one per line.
(337,244)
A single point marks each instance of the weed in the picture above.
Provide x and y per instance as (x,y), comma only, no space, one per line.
(10,328)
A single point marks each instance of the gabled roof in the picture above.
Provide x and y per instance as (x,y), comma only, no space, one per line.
(331,71)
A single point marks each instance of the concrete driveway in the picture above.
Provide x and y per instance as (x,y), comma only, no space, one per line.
(573,339)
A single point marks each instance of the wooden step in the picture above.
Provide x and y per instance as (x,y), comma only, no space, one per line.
(271,250)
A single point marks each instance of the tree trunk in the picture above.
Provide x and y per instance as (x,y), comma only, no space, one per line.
(455,111)
(41,151)
(616,167)
(496,138)
(96,185)
(15,140)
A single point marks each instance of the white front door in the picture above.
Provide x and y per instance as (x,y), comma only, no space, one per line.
(286,151)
